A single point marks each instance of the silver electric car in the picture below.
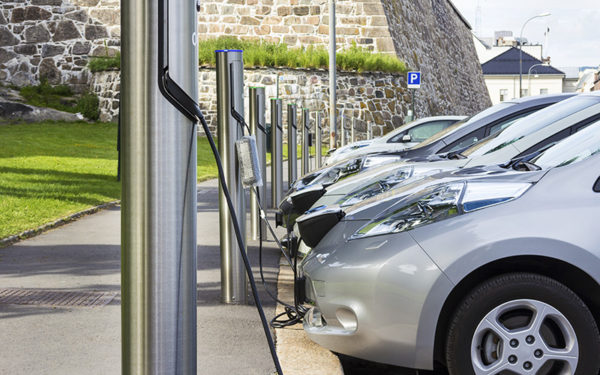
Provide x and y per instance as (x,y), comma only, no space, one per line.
(489,273)
(401,138)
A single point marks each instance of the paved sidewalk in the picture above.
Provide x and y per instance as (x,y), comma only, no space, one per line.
(84,256)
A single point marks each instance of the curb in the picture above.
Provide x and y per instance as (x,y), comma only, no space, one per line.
(7,241)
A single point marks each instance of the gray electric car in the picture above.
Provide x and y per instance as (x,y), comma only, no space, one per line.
(493,272)
(399,139)
(519,138)
(456,137)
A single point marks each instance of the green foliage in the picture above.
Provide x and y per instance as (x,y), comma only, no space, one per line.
(103,63)
(265,54)
(61,98)
(88,106)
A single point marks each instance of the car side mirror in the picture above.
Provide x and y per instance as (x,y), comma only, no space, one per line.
(406,138)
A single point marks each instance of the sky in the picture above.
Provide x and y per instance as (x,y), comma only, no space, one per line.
(574,37)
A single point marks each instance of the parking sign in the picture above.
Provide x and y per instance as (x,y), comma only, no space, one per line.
(413,80)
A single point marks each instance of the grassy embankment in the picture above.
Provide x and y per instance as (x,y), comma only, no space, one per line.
(49,170)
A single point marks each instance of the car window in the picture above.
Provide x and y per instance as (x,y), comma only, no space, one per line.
(579,146)
(421,132)
(509,121)
(465,141)
(531,124)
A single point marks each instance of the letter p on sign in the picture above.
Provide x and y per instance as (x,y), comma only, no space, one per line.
(413,80)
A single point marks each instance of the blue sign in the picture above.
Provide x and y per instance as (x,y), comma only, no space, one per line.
(413,80)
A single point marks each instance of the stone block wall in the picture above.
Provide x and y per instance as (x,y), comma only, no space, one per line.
(53,39)
(298,22)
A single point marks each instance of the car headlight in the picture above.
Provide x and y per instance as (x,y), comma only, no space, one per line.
(377,160)
(441,202)
(335,173)
(377,187)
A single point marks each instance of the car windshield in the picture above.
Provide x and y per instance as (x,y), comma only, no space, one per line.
(398,130)
(530,124)
(577,147)
(460,124)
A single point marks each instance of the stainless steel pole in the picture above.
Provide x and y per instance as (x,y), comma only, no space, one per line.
(305,141)
(343,131)
(353,131)
(332,76)
(292,131)
(257,127)
(369,130)
(318,140)
(230,96)
(158,217)
(276,153)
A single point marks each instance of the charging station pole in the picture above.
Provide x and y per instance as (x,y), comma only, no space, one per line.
(230,97)
(343,132)
(158,207)
(353,131)
(318,140)
(257,103)
(292,132)
(369,130)
(276,153)
(305,141)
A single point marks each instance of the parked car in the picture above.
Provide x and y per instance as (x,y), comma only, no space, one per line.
(401,138)
(523,137)
(518,137)
(487,273)
(455,137)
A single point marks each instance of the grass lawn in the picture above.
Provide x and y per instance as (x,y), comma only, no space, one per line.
(49,170)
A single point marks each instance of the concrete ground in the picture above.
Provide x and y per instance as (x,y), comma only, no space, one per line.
(53,337)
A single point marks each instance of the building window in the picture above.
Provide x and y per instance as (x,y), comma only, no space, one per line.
(543,91)
(525,92)
(503,94)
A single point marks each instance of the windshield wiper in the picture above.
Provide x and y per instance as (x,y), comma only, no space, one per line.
(523,165)
(455,155)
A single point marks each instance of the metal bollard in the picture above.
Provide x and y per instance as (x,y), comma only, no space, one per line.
(353,131)
(230,97)
(343,131)
(369,130)
(305,141)
(318,140)
(258,129)
(276,153)
(292,131)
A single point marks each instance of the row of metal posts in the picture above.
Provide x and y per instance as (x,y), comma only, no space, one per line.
(353,137)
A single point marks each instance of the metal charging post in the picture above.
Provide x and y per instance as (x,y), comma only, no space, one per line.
(369,130)
(343,131)
(257,125)
(230,97)
(318,140)
(305,141)
(353,130)
(276,153)
(292,131)
(158,207)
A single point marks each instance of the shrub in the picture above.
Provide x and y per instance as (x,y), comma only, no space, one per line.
(103,63)
(88,106)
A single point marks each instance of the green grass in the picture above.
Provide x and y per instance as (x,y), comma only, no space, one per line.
(100,64)
(61,98)
(265,54)
(49,170)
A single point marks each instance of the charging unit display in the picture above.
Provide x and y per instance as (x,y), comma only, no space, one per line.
(292,132)
(305,141)
(230,100)
(257,123)
(276,153)
(318,140)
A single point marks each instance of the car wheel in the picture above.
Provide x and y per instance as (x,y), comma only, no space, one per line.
(522,323)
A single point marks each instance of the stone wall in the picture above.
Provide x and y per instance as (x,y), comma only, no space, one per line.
(378,98)
(298,22)
(53,39)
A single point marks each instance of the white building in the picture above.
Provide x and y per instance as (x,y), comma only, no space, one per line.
(501,74)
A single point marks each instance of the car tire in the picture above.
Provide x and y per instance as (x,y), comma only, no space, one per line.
(495,330)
